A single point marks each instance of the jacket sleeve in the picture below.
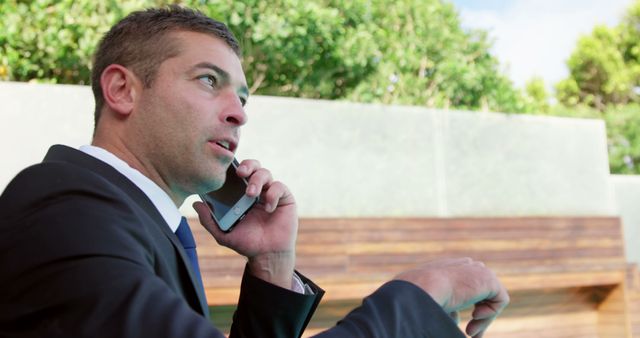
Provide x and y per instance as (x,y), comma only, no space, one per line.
(398,309)
(266,310)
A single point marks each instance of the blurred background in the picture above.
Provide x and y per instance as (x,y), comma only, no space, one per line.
(504,130)
(566,58)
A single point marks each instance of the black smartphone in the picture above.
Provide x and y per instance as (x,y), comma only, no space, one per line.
(229,204)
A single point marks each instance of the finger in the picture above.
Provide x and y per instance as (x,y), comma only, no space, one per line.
(492,306)
(488,308)
(477,327)
(248,167)
(485,312)
(204,214)
(259,181)
(276,194)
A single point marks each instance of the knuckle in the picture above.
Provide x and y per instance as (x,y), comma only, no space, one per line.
(251,163)
(264,174)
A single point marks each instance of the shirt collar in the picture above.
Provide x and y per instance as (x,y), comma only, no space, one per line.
(158,197)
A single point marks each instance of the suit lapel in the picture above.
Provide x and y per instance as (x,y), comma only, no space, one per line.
(60,153)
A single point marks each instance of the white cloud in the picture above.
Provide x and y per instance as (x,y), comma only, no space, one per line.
(535,38)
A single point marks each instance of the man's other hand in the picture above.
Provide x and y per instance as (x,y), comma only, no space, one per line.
(459,283)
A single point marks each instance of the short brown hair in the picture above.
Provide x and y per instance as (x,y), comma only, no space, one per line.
(141,43)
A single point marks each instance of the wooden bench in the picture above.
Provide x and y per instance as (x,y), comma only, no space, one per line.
(567,276)
(633,288)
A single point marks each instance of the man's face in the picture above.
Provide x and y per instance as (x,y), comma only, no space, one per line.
(189,120)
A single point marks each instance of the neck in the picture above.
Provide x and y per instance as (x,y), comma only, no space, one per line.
(126,154)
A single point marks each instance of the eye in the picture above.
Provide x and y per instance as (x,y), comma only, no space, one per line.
(243,100)
(209,80)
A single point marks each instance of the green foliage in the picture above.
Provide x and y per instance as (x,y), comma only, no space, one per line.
(404,52)
(577,111)
(423,57)
(604,67)
(568,92)
(603,82)
(52,41)
(599,71)
(537,97)
(623,127)
(630,40)
(298,48)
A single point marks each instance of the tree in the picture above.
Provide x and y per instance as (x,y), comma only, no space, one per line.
(623,128)
(406,52)
(52,41)
(603,83)
(403,52)
(425,58)
(537,96)
(629,30)
(599,74)
(299,48)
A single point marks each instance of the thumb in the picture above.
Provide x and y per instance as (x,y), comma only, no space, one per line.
(204,214)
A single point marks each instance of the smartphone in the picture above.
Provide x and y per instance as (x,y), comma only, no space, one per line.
(229,204)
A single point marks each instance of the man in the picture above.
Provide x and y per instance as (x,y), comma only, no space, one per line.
(92,241)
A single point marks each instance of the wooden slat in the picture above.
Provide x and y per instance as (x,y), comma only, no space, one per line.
(613,316)
(568,313)
(633,297)
(353,256)
(565,274)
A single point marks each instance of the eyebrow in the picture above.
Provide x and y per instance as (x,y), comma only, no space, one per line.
(225,76)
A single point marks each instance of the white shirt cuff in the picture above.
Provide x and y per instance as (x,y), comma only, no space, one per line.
(298,286)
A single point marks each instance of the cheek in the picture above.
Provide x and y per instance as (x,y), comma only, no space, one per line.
(183,117)
(177,118)
(189,107)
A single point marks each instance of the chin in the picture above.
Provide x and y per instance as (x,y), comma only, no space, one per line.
(212,183)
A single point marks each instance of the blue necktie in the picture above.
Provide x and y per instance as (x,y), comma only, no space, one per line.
(186,239)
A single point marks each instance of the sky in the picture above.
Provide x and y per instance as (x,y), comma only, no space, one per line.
(536,37)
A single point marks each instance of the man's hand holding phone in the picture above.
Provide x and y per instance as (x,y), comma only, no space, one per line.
(267,234)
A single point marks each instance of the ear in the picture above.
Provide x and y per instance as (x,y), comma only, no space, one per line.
(120,88)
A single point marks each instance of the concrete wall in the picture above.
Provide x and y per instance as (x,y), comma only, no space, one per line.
(627,190)
(33,117)
(354,160)
(345,159)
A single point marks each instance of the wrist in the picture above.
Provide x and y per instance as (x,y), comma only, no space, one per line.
(275,268)
(432,284)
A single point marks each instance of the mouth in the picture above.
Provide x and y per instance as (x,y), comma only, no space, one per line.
(227,144)
(224,144)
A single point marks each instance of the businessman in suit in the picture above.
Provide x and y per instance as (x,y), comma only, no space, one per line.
(93,245)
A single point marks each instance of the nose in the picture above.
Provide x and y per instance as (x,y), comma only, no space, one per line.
(234,112)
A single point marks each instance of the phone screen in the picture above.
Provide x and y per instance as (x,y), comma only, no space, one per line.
(228,195)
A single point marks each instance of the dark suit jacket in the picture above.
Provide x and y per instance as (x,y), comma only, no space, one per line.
(84,253)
